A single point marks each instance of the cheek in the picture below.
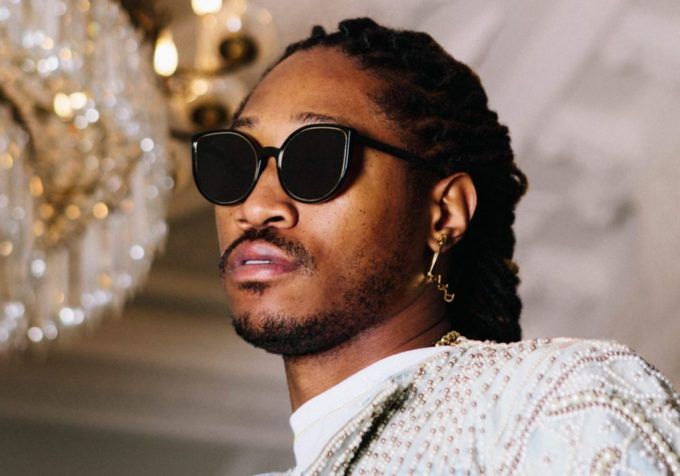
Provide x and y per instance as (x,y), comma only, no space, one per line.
(373,220)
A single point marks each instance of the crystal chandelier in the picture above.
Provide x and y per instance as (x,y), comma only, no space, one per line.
(84,166)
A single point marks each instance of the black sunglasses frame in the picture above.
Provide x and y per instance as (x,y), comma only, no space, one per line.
(262,155)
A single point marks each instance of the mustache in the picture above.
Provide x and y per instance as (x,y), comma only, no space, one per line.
(294,248)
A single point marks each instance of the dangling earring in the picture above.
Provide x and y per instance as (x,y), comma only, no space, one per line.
(436,279)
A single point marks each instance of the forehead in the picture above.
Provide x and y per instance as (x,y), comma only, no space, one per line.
(321,80)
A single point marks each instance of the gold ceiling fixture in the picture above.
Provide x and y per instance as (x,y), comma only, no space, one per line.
(225,47)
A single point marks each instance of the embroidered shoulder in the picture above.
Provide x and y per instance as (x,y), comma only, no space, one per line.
(589,407)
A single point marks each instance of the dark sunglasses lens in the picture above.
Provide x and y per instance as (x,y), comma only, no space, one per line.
(225,167)
(314,163)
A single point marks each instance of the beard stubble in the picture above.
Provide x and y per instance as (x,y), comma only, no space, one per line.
(365,296)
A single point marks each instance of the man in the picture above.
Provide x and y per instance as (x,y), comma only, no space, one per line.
(365,199)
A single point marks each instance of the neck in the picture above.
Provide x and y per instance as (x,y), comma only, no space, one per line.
(417,325)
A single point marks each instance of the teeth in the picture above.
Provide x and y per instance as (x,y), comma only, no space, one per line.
(257,261)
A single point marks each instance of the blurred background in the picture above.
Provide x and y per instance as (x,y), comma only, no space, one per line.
(117,351)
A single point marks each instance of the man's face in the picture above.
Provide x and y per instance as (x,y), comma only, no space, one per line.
(304,278)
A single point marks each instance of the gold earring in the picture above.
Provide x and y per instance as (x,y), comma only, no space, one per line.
(436,279)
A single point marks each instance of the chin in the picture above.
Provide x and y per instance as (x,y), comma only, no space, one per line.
(291,331)
(291,336)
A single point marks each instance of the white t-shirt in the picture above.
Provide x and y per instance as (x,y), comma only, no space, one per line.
(318,419)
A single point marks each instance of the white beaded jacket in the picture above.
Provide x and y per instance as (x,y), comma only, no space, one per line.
(540,407)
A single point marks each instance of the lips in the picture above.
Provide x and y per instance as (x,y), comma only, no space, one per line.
(259,261)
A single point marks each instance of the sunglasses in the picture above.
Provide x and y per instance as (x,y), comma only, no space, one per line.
(312,163)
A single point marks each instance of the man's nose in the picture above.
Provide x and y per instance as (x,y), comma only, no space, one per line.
(268,204)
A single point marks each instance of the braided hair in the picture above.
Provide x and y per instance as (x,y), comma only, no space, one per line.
(442,109)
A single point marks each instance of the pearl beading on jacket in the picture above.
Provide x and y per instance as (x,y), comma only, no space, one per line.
(560,406)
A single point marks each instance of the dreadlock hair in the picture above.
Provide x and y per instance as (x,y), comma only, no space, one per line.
(442,109)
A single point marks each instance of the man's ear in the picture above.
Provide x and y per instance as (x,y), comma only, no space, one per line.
(452,203)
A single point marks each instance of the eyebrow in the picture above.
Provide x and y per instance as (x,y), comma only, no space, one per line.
(308,117)
(246,122)
(305,117)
